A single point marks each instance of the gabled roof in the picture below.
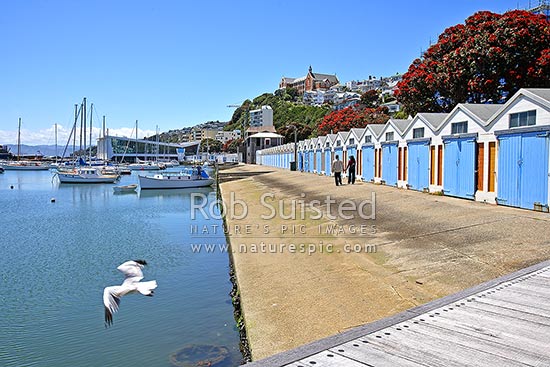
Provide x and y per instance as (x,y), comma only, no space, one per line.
(542,93)
(329,77)
(433,119)
(376,129)
(539,95)
(259,129)
(400,125)
(331,138)
(344,135)
(482,111)
(357,132)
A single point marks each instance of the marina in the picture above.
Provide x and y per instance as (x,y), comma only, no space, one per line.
(62,253)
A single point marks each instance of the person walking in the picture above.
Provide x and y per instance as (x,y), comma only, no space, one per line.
(337,168)
(350,167)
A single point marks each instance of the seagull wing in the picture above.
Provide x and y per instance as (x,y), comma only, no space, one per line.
(132,271)
(111,301)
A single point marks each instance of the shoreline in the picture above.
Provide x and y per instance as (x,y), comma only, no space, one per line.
(238,315)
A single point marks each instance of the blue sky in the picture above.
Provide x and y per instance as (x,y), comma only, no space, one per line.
(179,63)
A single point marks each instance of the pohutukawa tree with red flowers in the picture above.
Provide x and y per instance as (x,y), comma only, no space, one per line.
(352,117)
(486,59)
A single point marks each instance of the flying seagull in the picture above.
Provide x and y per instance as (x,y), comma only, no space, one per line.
(131,284)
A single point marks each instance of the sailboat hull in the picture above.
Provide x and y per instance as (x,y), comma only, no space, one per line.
(24,167)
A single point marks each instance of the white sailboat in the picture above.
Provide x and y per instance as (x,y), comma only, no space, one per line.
(86,175)
(20,165)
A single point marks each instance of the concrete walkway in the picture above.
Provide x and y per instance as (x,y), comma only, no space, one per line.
(426,247)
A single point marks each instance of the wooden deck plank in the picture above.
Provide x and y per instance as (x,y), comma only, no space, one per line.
(509,313)
(520,332)
(362,350)
(514,306)
(528,292)
(504,323)
(330,359)
(521,299)
(433,351)
(483,342)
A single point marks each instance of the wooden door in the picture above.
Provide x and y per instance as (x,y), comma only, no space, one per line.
(480,165)
(492,167)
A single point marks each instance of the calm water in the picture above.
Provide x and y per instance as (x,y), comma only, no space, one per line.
(56,258)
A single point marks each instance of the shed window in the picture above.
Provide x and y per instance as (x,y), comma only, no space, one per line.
(351,141)
(327,144)
(338,143)
(418,133)
(389,136)
(368,139)
(459,127)
(527,118)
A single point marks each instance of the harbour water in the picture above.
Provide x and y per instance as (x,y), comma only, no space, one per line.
(56,258)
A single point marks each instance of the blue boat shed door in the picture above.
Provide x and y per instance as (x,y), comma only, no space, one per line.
(328,162)
(389,164)
(418,165)
(459,167)
(523,169)
(368,163)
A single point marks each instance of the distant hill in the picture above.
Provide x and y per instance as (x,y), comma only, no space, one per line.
(46,150)
(181,135)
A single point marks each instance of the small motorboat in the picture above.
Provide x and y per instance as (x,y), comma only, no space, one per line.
(191,177)
(125,188)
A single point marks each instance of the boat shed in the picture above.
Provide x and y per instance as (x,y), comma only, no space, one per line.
(315,153)
(373,135)
(300,154)
(390,138)
(321,160)
(522,128)
(338,146)
(329,152)
(306,149)
(459,134)
(420,173)
(351,144)
(401,126)
(353,147)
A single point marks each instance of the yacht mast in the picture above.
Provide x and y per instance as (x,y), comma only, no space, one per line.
(136,141)
(19,141)
(91,117)
(55,129)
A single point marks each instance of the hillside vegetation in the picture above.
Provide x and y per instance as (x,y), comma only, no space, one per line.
(285,112)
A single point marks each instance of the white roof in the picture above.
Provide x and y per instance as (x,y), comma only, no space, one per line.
(265,135)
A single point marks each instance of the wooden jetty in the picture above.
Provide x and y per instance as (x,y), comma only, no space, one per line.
(503,322)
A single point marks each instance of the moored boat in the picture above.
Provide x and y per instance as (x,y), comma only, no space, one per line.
(86,175)
(148,166)
(25,166)
(125,188)
(192,177)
